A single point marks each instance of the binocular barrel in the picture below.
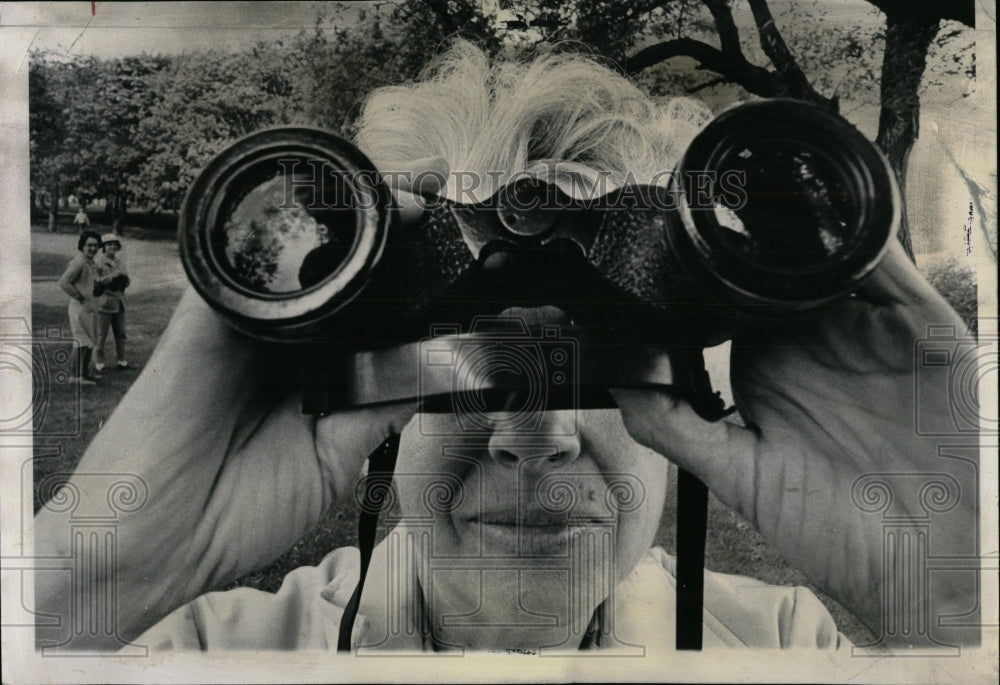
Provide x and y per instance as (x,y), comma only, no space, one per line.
(776,207)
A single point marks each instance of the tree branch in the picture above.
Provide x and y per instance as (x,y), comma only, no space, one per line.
(755,79)
(708,84)
(729,35)
(730,62)
(907,38)
(774,46)
(707,55)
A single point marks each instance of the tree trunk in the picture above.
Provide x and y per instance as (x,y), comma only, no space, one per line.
(53,203)
(907,38)
(118,212)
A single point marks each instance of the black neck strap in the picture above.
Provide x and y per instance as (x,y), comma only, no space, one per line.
(381,464)
(692,522)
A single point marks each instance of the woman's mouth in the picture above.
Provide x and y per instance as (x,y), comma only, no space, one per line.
(543,536)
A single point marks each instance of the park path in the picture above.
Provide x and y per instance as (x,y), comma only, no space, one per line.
(152,265)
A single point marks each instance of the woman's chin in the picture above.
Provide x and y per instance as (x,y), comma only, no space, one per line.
(516,609)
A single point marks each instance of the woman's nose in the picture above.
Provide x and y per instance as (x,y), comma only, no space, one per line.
(552,440)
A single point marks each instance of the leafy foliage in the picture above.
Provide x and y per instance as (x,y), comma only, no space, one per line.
(83,116)
(255,257)
(957,283)
(206,102)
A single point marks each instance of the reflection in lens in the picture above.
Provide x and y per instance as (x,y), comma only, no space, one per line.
(288,232)
(788,221)
(798,211)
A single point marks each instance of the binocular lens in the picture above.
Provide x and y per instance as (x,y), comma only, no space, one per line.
(283,229)
(799,210)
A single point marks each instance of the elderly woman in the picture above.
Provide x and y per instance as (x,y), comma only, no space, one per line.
(78,282)
(489,561)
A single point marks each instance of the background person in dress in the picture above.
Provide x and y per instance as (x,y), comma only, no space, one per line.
(78,282)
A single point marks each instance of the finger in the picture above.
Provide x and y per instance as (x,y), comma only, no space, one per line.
(345,439)
(418,176)
(411,207)
(896,280)
(720,453)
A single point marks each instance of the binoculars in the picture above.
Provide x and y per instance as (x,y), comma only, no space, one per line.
(776,208)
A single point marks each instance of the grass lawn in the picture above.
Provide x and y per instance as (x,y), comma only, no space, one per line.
(46,265)
(73,415)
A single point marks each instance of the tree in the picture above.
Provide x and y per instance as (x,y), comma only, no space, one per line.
(207,101)
(140,129)
(113,154)
(85,112)
(46,133)
(320,78)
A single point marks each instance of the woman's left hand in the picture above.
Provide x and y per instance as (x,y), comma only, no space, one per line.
(835,401)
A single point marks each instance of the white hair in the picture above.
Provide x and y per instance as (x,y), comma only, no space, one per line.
(497,120)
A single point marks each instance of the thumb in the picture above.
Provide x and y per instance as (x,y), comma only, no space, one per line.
(720,453)
(896,280)
(409,180)
(345,439)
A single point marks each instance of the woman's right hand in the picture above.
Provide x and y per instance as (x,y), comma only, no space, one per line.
(235,472)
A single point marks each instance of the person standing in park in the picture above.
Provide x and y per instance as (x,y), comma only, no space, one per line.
(112,275)
(81,220)
(78,281)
